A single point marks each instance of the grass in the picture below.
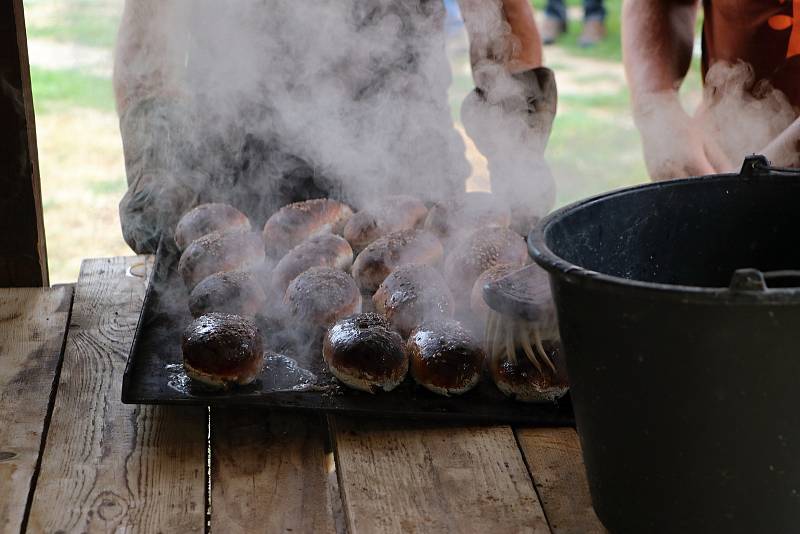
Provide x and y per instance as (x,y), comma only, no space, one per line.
(57,90)
(609,49)
(84,22)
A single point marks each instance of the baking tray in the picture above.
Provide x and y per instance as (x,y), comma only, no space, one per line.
(294,378)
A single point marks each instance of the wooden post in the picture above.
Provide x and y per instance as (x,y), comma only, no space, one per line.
(23,254)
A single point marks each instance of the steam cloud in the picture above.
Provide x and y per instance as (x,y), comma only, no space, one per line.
(347,98)
(743,115)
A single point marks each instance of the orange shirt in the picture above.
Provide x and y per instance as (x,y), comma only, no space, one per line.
(763,33)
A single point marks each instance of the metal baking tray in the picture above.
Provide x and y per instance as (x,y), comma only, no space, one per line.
(293,379)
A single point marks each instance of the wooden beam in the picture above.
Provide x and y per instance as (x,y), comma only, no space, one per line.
(108,466)
(33,322)
(23,254)
(397,478)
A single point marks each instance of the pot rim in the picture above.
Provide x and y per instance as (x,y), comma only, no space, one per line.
(589,279)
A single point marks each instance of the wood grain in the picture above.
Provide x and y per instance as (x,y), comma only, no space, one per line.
(23,254)
(268,472)
(396,478)
(32,327)
(109,467)
(554,459)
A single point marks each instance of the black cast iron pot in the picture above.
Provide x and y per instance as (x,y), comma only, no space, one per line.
(680,322)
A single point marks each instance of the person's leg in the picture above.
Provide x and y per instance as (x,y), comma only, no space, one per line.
(594,26)
(555,21)
(594,9)
(556,9)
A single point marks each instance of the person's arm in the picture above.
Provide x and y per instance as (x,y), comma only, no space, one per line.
(147,59)
(657,42)
(784,150)
(502,32)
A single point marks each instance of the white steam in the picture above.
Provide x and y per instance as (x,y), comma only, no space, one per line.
(742,114)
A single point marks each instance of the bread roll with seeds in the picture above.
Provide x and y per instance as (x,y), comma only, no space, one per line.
(325,250)
(522,381)
(234,250)
(444,357)
(321,296)
(221,350)
(365,354)
(235,292)
(294,223)
(412,294)
(389,252)
(390,214)
(207,218)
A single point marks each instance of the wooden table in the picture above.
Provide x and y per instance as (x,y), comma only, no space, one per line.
(73,458)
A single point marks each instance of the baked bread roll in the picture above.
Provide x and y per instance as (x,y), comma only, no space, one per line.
(473,210)
(444,357)
(389,252)
(477,252)
(390,214)
(221,350)
(321,296)
(365,354)
(235,292)
(216,252)
(522,381)
(325,250)
(207,218)
(412,294)
(294,223)
(232,250)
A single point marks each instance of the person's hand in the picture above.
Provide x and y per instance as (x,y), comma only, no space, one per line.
(674,143)
(784,150)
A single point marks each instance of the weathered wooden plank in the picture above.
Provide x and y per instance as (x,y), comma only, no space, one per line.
(554,459)
(32,327)
(268,472)
(23,254)
(109,467)
(397,478)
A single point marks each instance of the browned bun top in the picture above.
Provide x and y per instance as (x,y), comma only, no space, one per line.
(236,292)
(207,218)
(479,251)
(364,346)
(390,214)
(389,252)
(444,355)
(473,210)
(234,250)
(294,223)
(325,250)
(492,274)
(527,383)
(223,344)
(411,294)
(322,295)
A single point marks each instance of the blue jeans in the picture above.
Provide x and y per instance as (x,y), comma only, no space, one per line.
(592,9)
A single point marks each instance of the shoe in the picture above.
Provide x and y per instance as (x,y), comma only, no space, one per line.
(594,31)
(552,29)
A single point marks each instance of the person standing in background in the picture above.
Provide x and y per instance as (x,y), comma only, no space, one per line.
(594,22)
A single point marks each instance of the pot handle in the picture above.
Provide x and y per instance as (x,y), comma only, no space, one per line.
(755,280)
(758,165)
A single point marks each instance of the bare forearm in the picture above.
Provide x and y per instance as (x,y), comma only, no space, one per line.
(784,151)
(502,32)
(657,41)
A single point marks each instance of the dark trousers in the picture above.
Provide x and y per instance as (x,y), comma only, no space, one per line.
(592,9)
